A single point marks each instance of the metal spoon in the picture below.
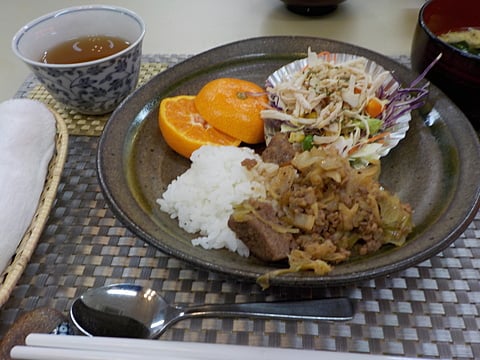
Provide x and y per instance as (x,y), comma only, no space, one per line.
(128,310)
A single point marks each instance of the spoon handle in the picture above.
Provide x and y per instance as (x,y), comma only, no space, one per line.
(321,309)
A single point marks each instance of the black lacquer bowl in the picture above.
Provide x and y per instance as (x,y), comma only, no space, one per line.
(312,7)
(457,73)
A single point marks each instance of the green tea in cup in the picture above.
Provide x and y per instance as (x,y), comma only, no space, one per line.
(83,49)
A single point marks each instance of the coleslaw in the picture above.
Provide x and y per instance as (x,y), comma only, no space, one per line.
(340,100)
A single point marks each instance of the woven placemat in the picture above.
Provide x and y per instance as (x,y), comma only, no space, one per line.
(90,125)
(429,310)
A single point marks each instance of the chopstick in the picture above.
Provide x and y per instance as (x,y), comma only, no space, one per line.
(128,348)
(69,347)
(43,353)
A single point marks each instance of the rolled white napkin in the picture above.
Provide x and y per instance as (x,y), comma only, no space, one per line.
(27,142)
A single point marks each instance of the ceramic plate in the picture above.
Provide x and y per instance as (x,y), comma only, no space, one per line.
(435,168)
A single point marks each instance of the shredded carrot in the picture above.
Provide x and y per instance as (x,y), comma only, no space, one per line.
(374,107)
(327,54)
(376,138)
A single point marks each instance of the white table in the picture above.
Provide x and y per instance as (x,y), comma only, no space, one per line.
(192,26)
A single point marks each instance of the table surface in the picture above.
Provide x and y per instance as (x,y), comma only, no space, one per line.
(193,26)
(429,310)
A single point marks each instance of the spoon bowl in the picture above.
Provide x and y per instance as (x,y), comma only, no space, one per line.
(129,310)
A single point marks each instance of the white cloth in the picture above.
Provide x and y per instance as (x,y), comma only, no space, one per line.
(27,142)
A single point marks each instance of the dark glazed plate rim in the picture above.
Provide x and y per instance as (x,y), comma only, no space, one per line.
(440,157)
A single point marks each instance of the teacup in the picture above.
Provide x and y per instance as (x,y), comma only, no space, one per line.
(93,87)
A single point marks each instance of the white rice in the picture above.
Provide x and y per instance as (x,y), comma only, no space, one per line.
(202,198)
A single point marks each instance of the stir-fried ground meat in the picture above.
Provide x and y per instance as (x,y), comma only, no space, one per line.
(321,208)
(249,163)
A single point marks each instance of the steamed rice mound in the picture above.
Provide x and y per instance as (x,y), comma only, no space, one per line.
(203,197)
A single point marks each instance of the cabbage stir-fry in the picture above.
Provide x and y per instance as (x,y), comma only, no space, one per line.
(332,211)
(345,104)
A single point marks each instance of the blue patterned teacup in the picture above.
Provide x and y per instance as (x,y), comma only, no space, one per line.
(93,87)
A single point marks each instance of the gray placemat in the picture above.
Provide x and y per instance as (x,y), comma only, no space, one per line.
(429,310)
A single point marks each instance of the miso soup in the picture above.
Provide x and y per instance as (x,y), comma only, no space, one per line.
(467,39)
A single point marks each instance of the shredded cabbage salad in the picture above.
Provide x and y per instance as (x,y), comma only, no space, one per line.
(342,104)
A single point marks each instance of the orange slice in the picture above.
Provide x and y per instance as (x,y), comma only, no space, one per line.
(233,106)
(184,130)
